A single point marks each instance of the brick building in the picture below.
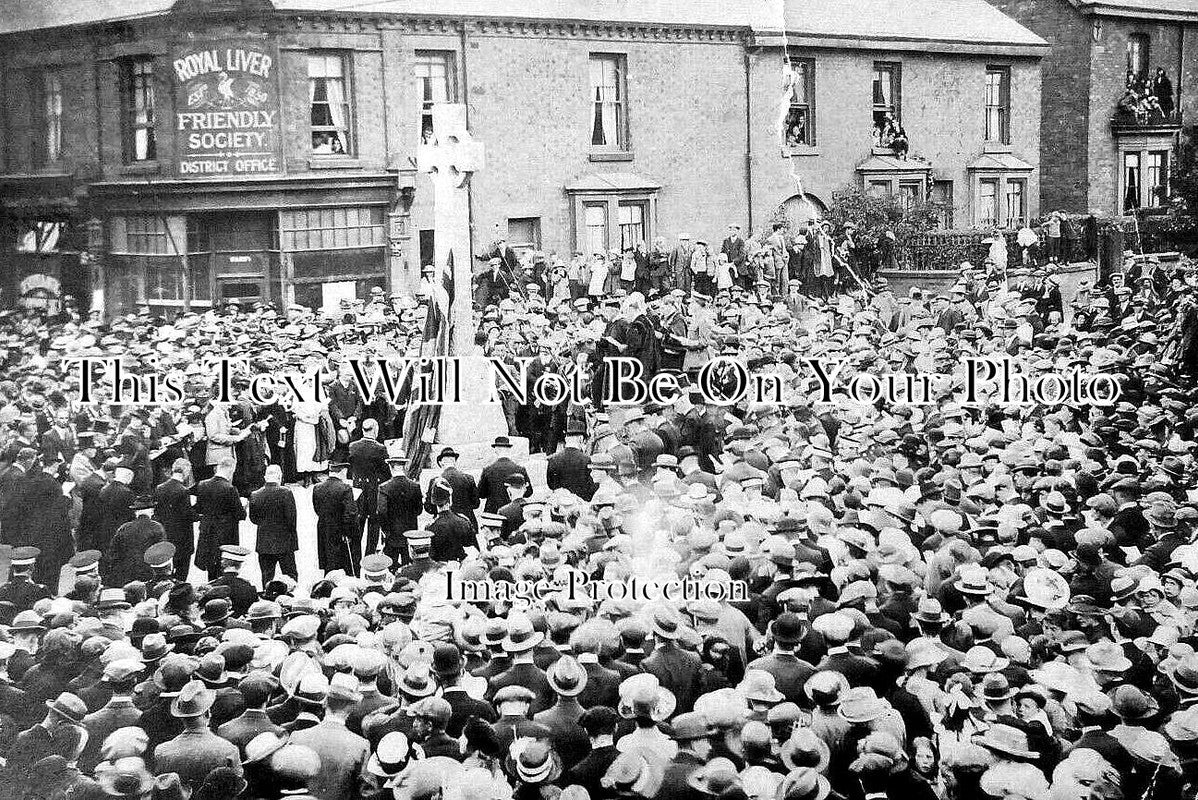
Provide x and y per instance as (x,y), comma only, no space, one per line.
(188,152)
(1099,153)
(960,79)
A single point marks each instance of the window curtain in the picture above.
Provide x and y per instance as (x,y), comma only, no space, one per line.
(605,81)
(335,90)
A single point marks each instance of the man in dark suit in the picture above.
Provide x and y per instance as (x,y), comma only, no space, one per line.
(256,690)
(693,733)
(676,669)
(837,628)
(789,671)
(367,469)
(520,641)
(345,408)
(58,443)
(491,487)
(90,505)
(338,543)
(119,712)
(116,501)
(126,552)
(1129,525)
(272,509)
(399,503)
(465,490)
(733,247)
(513,512)
(570,468)
(600,725)
(219,508)
(452,532)
(448,666)
(174,511)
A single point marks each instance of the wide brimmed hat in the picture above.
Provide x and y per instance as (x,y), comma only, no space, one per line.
(804,783)
(666,625)
(193,700)
(1106,656)
(126,777)
(860,705)
(1131,704)
(714,778)
(1185,675)
(643,696)
(567,677)
(760,686)
(1007,740)
(536,763)
(521,635)
(974,581)
(69,707)
(805,750)
(982,660)
(262,746)
(417,681)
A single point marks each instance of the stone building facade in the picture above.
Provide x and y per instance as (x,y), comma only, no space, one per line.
(188,153)
(1097,156)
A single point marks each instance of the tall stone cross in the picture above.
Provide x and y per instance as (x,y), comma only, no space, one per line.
(450,159)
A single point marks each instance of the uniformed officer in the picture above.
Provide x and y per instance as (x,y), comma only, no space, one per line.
(451,532)
(399,505)
(419,551)
(241,592)
(160,558)
(19,589)
(376,573)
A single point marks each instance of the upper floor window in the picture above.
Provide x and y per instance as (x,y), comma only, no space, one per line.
(609,126)
(46,104)
(137,103)
(437,84)
(328,95)
(1138,55)
(887,106)
(800,118)
(998,105)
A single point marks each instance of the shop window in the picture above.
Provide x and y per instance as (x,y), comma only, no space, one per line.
(609,123)
(333,228)
(137,106)
(436,83)
(329,97)
(800,117)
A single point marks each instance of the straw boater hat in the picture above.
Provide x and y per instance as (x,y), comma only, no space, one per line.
(643,696)
(521,636)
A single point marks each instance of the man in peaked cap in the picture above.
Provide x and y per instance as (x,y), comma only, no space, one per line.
(241,592)
(19,589)
(451,532)
(399,504)
(126,552)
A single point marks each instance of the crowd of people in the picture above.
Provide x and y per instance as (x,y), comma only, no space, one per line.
(941,601)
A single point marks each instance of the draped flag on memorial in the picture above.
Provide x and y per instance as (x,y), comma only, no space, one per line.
(420,427)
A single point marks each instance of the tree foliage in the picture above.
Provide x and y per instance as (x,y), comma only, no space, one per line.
(1185,179)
